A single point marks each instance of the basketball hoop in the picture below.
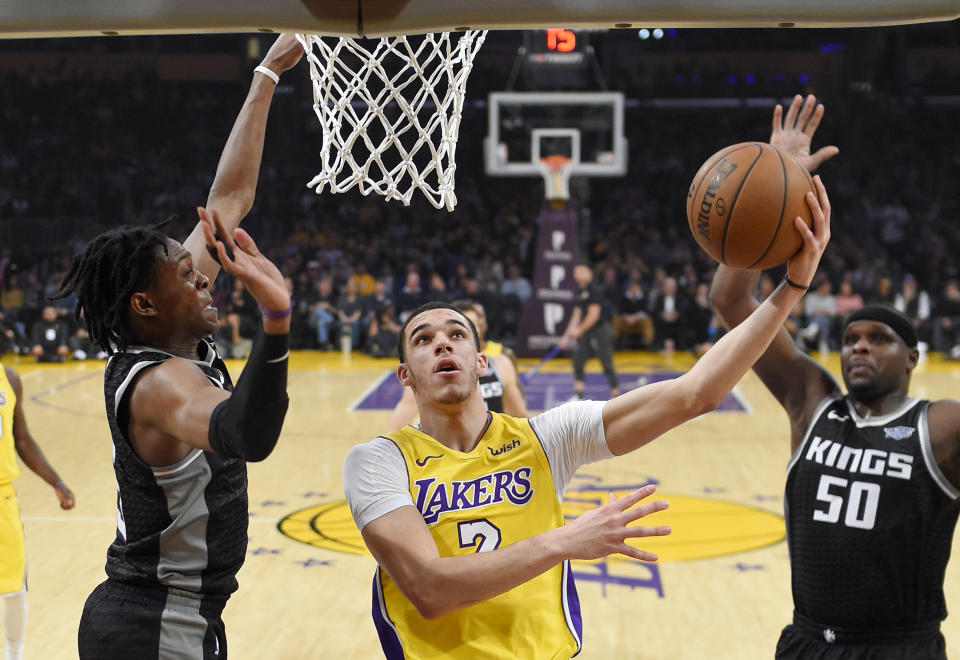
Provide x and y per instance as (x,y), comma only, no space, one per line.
(390,110)
(556,171)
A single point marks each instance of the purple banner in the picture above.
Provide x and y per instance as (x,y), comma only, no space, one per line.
(547,312)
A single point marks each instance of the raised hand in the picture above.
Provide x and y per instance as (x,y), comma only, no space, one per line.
(284,54)
(604,530)
(802,267)
(795,134)
(239,256)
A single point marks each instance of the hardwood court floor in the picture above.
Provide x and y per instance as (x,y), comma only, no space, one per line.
(722,591)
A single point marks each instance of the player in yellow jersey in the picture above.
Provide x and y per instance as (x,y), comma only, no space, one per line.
(500,386)
(462,512)
(15,437)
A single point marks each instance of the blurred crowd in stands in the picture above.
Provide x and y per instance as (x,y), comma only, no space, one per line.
(81,151)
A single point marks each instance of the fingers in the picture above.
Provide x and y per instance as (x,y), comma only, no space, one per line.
(823,202)
(632,497)
(245,242)
(637,553)
(646,509)
(644,531)
(792,111)
(777,120)
(813,118)
(807,111)
(822,154)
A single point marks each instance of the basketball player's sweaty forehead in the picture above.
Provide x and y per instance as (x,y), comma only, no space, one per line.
(425,326)
(872,329)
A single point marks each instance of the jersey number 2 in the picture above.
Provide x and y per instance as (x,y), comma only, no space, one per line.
(481,533)
(862,500)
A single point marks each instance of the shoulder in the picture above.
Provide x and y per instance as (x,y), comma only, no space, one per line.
(161,385)
(14,379)
(569,416)
(376,453)
(943,418)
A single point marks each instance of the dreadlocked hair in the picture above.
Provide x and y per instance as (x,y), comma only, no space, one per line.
(114,266)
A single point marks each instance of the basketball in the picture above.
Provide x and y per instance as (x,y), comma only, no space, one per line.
(742,203)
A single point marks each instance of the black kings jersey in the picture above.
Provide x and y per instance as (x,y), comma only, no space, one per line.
(184,525)
(870,519)
(491,387)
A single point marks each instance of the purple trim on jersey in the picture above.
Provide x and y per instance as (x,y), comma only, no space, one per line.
(571,603)
(389,640)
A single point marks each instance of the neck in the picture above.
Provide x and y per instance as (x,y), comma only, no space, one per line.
(880,405)
(181,347)
(457,426)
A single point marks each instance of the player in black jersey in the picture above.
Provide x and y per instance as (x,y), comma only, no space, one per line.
(591,327)
(871,498)
(182,434)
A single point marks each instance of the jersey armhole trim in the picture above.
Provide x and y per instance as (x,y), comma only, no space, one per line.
(930,460)
(825,403)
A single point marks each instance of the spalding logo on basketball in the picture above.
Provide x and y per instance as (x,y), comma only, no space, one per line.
(742,203)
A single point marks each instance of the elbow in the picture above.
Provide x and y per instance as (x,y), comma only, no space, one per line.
(258,451)
(702,400)
(430,603)
(720,298)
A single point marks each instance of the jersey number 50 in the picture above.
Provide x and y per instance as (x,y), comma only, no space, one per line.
(862,499)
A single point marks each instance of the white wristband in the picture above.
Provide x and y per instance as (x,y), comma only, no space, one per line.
(268,73)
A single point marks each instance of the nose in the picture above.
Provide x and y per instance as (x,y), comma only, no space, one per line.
(441,343)
(203,281)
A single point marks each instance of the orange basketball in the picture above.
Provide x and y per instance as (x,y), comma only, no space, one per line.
(742,203)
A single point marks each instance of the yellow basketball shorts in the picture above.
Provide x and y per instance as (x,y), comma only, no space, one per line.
(13,552)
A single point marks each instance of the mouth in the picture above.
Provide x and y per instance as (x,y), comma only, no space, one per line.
(446,366)
(859,366)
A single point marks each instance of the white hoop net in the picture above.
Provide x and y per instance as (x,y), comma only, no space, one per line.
(390,110)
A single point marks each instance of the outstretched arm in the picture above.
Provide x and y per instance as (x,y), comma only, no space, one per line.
(28,449)
(234,186)
(637,417)
(402,544)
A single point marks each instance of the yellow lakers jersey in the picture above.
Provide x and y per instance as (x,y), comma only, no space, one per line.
(9,470)
(493,348)
(499,493)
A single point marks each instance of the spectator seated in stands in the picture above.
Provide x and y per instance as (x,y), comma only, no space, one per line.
(946,321)
(383,331)
(50,336)
(632,325)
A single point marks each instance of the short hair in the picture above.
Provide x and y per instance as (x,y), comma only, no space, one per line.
(425,307)
(112,267)
(468,305)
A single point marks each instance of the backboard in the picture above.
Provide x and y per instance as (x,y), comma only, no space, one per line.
(524,127)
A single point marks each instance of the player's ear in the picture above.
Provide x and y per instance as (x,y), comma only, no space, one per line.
(913,357)
(142,304)
(403,375)
(481,364)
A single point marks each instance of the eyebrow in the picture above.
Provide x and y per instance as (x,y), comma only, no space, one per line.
(420,327)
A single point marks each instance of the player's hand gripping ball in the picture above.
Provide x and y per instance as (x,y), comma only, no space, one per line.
(742,203)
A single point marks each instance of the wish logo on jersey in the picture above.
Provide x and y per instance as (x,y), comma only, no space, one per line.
(436,498)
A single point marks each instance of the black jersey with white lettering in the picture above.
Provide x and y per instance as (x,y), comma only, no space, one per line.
(870,519)
(491,387)
(183,525)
